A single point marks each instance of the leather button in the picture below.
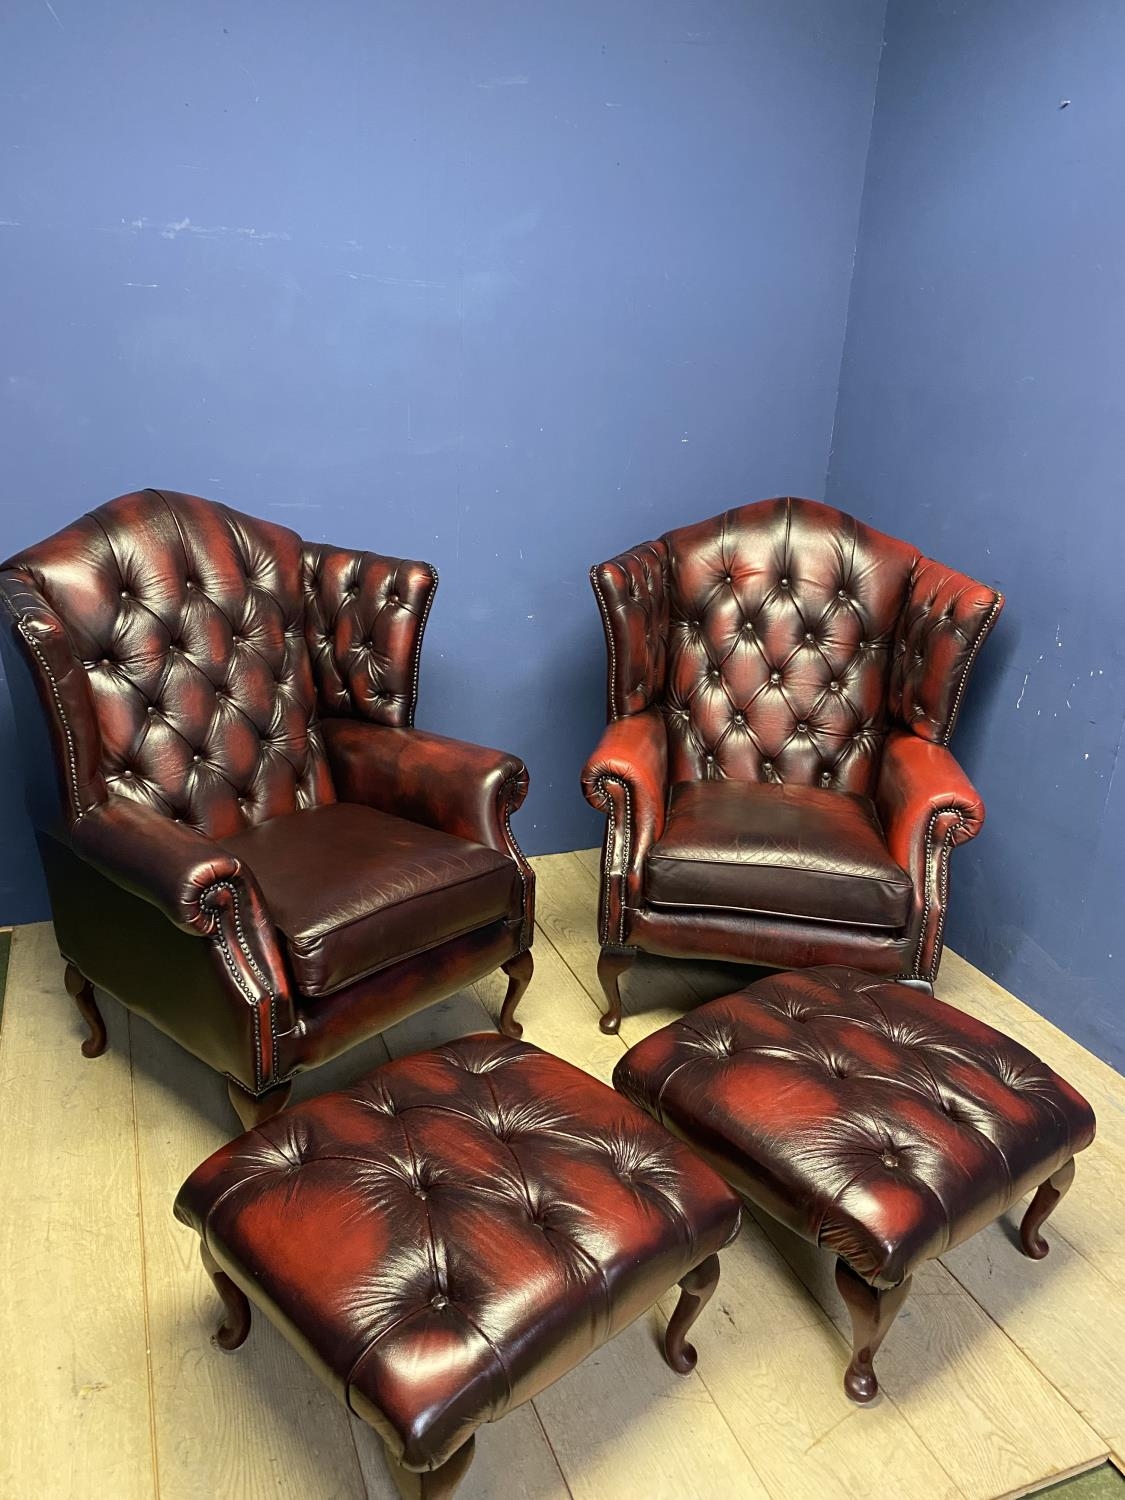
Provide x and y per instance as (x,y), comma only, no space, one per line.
(809,637)
(802,727)
(775,677)
(784,582)
(128,775)
(863,645)
(197,757)
(834,686)
(740,718)
(841,593)
(728,579)
(420,1193)
(767,767)
(392,598)
(889,1160)
(439,1302)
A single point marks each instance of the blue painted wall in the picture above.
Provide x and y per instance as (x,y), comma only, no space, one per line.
(504,285)
(982,415)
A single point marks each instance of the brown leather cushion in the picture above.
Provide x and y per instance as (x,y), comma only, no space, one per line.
(463,1227)
(351,889)
(793,851)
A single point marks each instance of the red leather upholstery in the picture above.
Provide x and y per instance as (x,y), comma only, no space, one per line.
(784,644)
(352,890)
(208,685)
(868,1116)
(453,1234)
(780,850)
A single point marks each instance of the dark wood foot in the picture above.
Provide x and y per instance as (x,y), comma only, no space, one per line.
(256,1109)
(872,1312)
(434,1484)
(231,1332)
(81,991)
(1046,1200)
(695,1293)
(611,965)
(519,971)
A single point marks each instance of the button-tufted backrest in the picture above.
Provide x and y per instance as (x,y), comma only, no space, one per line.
(189,621)
(782,621)
(365,615)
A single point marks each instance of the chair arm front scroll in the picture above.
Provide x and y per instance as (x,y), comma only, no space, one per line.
(200,888)
(927,805)
(463,789)
(627,778)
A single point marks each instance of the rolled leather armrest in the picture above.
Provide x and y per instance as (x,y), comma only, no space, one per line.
(627,779)
(204,890)
(633,751)
(165,863)
(927,805)
(466,790)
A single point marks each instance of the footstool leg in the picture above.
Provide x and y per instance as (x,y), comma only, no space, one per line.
(232,1331)
(695,1293)
(81,991)
(434,1484)
(1046,1200)
(256,1109)
(612,963)
(519,971)
(872,1312)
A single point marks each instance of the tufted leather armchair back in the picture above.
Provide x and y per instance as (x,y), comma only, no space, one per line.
(783,639)
(185,652)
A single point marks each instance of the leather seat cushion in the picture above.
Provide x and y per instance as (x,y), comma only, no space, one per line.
(868,1116)
(792,851)
(352,890)
(455,1232)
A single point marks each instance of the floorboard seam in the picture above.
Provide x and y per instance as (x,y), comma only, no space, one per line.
(1023,1354)
(551,1449)
(144,1265)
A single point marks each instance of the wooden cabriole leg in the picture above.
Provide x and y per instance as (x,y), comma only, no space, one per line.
(81,991)
(872,1310)
(612,963)
(232,1331)
(519,971)
(256,1109)
(1046,1200)
(434,1484)
(695,1293)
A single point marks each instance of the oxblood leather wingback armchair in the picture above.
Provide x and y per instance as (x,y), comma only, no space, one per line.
(783,682)
(245,839)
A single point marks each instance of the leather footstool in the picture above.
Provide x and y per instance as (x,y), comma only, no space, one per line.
(448,1237)
(870,1118)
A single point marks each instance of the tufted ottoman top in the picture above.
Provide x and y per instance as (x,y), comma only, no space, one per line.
(461,1228)
(866,1115)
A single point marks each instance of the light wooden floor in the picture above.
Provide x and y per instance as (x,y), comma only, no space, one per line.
(1000,1375)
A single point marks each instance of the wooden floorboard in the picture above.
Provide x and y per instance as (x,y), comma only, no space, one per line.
(74,1414)
(1001,1374)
